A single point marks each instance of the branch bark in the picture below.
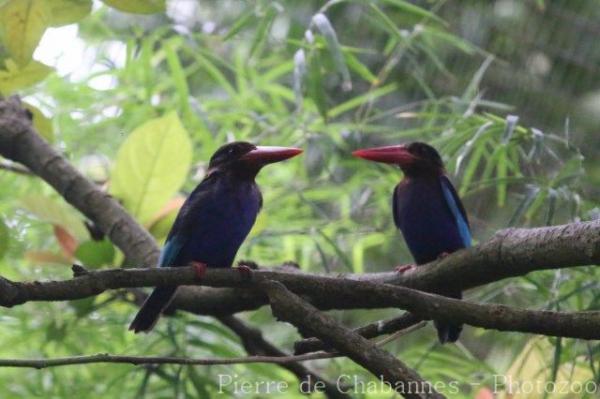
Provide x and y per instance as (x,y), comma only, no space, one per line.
(371,330)
(289,307)
(509,253)
(360,293)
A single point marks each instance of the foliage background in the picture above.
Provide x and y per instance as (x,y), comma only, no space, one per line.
(139,94)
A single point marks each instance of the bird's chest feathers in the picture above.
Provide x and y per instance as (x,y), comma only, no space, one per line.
(233,208)
(423,216)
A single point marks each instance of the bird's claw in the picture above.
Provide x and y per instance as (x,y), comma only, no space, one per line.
(199,269)
(404,268)
(245,272)
(443,255)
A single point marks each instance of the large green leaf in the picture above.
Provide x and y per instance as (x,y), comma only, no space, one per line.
(138,6)
(95,253)
(152,165)
(3,238)
(58,213)
(23,23)
(65,12)
(14,78)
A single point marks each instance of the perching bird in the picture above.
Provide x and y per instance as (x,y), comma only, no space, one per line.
(214,220)
(426,209)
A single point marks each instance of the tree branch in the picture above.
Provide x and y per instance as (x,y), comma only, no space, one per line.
(289,307)
(371,330)
(155,360)
(360,293)
(19,142)
(14,168)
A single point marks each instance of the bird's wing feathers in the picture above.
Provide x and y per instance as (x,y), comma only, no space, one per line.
(177,237)
(457,209)
(170,251)
(395,199)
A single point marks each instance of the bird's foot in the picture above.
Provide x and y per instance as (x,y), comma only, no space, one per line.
(199,269)
(245,272)
(443,255)
(405,268)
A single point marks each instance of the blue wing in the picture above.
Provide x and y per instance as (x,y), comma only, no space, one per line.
(457,209)
(170,251)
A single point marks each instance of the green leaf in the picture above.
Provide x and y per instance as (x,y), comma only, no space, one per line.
(65,12)
(324,26)
(410,8)
(262,31)
(152,165)
(95,253)
(299,75)
(14,78)
(243,21)
(23,22)
(138,6)
(59,213)
(359,68)
(41,123)
(3,238)
(315,87)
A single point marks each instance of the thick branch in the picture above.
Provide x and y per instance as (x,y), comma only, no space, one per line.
(362,294)
(20,143)
(289,307)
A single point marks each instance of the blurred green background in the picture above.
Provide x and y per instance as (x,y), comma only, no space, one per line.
(139,94)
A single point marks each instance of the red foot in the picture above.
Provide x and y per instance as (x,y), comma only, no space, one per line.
(245,272)
(443,255)
(405,268)
(200,269)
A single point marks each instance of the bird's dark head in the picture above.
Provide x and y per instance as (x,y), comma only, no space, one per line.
(246,159)
(415,159)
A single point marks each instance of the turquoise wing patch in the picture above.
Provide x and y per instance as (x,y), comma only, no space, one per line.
(170,251)
(455,207)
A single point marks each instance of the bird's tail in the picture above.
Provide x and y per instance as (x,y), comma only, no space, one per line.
(448,332)
(151,309)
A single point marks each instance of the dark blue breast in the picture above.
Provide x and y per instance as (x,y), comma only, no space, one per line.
(216,222)
(426,222)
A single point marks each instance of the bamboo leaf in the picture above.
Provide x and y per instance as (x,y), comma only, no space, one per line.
(415,10)
(4,237)
(299,75)
(243,21)
(315,87)
(324,26)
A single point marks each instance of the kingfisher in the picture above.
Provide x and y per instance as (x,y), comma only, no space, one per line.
(427,210)
(214,220)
